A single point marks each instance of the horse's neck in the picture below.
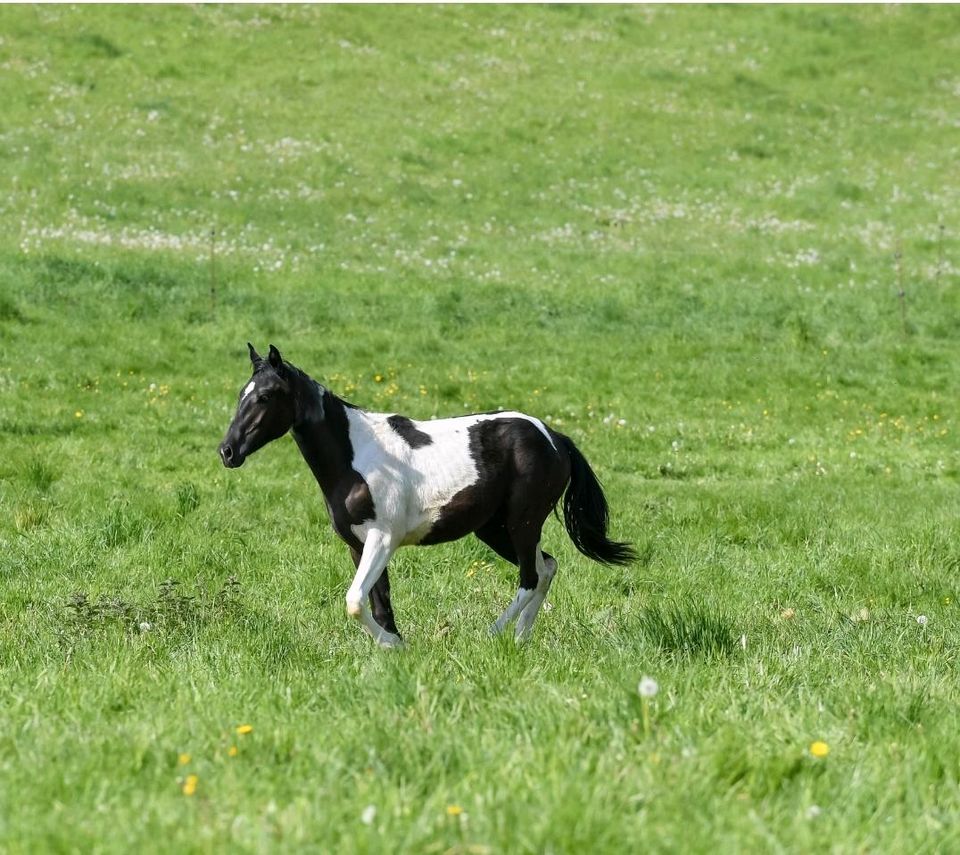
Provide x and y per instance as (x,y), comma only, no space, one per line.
(323,436)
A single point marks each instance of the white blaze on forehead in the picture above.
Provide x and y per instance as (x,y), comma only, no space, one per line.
(249,388)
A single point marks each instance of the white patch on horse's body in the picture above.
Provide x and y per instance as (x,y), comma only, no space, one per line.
(248,389)
(411,486)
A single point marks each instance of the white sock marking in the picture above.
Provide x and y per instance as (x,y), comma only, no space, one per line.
(516,606)
(545,573)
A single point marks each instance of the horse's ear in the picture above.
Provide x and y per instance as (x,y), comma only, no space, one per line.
(275,359)
(254,356)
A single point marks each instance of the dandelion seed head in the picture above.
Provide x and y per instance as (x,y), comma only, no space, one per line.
(647,687)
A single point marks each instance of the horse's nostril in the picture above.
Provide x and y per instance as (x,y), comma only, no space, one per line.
(226,452)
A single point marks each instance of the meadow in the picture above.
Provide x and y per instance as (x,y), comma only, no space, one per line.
(717,246)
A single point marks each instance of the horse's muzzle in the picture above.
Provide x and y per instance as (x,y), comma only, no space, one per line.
(231,457)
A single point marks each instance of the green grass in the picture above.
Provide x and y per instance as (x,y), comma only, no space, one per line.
(677,233)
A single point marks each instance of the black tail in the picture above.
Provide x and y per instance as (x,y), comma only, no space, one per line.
(585,513)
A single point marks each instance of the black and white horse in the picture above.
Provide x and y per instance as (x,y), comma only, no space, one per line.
(389,481)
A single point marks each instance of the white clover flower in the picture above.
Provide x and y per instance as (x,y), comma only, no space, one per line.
(922,620)
(369,815)
(647,688)
(145,626)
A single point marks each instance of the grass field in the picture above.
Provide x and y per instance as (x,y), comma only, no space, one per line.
(716,246)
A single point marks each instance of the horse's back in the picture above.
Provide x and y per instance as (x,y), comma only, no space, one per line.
(474,467)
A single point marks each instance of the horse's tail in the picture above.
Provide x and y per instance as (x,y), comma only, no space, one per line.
(585,513)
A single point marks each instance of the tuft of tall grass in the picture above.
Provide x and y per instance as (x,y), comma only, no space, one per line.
(688,629)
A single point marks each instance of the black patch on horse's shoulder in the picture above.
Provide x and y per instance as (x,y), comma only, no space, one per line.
(359,503)
(349,505)
(326,446)
(405,428)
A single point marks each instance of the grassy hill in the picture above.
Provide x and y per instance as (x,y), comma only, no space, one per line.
(716,246)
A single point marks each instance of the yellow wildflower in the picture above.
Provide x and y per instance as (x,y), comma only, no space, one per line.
(454,810)
(232,751)
(244,729)
(189,785)
(183,759)
(819,749)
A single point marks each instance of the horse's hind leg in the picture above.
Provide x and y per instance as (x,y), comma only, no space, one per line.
(519,546)
(525,594)
(495,535)
(546,570)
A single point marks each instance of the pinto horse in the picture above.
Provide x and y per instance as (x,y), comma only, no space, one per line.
(389,481)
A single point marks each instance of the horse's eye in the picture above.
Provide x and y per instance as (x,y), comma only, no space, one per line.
(264,397)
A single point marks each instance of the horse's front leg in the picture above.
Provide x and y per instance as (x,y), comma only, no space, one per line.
(380,603)
(377,549)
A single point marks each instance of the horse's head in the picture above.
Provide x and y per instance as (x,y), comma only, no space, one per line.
(266,411)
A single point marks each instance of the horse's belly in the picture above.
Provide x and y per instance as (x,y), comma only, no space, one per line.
(417,532)
(464,513)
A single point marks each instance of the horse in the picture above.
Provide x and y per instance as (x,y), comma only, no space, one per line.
(390,481)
